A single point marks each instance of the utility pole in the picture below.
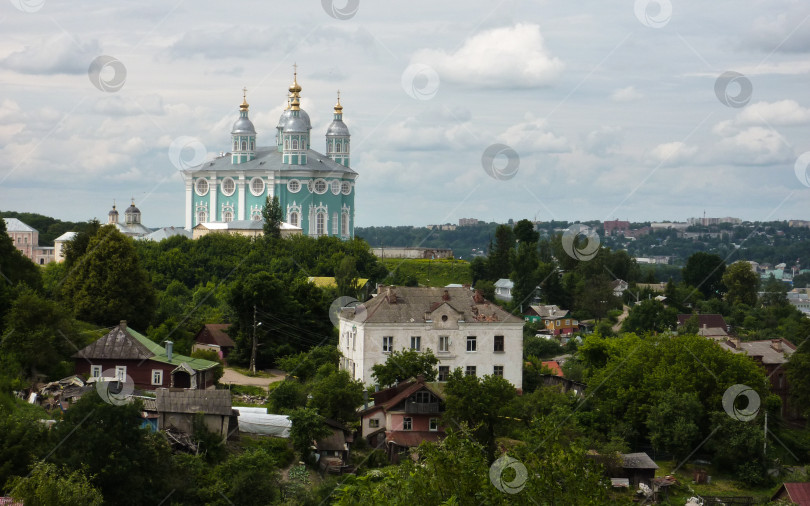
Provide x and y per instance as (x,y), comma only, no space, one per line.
(765,446)
(253,348)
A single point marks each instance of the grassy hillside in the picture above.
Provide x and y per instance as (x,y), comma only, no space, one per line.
(432,272)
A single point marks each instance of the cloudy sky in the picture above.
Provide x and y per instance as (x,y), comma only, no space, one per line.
(645,110)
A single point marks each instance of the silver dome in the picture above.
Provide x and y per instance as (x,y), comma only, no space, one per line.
(286,115)
(304,116)
(243,126)
(296,124)
(337,128)
(132,209)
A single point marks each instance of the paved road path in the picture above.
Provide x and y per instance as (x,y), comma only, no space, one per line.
(237,378)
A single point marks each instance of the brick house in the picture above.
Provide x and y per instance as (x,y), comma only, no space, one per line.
(123,352)
(403,416)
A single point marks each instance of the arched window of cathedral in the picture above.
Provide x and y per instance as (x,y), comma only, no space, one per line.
(202,217)
(235,145)
(286,143)
(334,223)
(320,224)
(251,145)
(295,144)
(344,225)
(227,216)
(244,146)
(337,148)
(293,219)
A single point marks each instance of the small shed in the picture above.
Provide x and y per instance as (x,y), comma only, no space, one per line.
(176,409)
(797,493)
(639,468)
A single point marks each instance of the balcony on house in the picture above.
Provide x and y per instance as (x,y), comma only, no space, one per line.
(421,407)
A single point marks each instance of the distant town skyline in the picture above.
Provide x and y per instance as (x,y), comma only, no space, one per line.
(643,111)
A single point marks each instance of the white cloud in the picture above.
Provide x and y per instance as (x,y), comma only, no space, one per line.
(502,57)
(672,153)
(533,136)
(58,54)
(754,146)
(784,112)
(783,29)
(603,141)
(629,94)
(117,105)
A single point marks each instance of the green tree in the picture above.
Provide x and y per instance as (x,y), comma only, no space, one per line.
(525,275)
(42,336)
(109,284)
(775,292)
(798,372)
(287,395)
(78,246)
(650,316)
(500,256)
(128,464)
(346,277)
(705,272)
(741,284)
(273,216)
(304,365)
(335,394)
(481,403)
(250,479)
(307,427)
(541,347)
(487,289)
(48,485)
(404,365)
(673,423)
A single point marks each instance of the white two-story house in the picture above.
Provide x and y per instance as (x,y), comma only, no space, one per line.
(461,328)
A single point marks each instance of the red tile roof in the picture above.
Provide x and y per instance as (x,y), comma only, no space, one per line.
(554,366)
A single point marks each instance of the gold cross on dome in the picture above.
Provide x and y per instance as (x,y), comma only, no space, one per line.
(244,92)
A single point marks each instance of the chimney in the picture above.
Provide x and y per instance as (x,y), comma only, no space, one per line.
(446,295)
(776,344)
(169,347)
(123,325)
(391,295)
(420,378)
(478,297)
(734,342)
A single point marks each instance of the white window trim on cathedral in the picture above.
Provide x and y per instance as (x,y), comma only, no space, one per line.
(256,212)
(201,207)
(293,208)
(345,215)
(314,211)
(228,207)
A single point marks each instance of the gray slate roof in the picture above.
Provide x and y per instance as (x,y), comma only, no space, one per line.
(164,233)
(765,350)
(411,303)
(638,461)
(213,402)
(67,236)
(550,311)
(269,158)
(504,283)
(117,344)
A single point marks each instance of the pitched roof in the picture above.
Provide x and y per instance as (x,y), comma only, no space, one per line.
(708,320)
(164,233)
(798,493)
(214,333)
(763,349)
(214,402)
(123,343)
(410,304)
(67,236)
(555,367)
(504,283)
(15,225)
(638,461)
(549,311)
(390,397)
(336,441)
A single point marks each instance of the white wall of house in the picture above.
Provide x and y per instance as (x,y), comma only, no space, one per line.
(362,345)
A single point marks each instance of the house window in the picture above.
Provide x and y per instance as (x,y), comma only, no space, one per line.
(407,423)
(497,371)
(444,372)
(422,397)
(498,343)
(388,344)
(157,377)
(434,424)
(567,323)
(95,371)
(470,371)
(374,423)
(471,343)
(558,323)
(416,343)
(121,372)
(444,344)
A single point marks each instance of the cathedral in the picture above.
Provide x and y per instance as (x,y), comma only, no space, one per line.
(316,191)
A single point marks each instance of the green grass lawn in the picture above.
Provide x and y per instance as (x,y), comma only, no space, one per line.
(721,485)
(432,272)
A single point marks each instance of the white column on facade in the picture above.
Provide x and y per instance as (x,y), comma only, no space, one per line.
(271,187)
(240,186)
(189,202)
(212,191)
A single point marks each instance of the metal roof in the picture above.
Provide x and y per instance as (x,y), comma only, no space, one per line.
(15,225)
(210,402)
(67,236)
(268,158)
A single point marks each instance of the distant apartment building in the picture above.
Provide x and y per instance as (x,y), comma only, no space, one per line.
(616,227)
(468,222)
(713,221)
(674,225)
(446,226)
(413,253)
(799,223)
(26,240)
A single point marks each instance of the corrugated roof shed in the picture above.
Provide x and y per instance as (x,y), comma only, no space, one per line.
(214,402)
(638,461)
